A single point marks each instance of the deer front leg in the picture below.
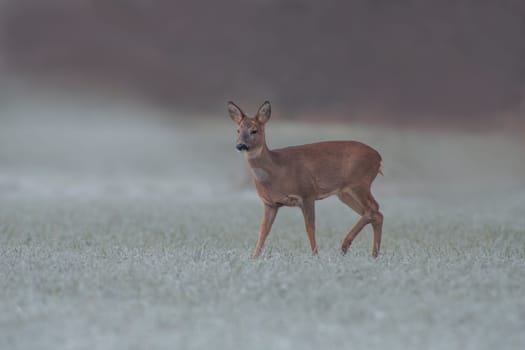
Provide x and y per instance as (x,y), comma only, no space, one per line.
(268,218)
(308,208)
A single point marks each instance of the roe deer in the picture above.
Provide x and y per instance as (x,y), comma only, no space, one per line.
(297,176)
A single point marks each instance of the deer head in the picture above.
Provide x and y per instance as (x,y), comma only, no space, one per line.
(250,131)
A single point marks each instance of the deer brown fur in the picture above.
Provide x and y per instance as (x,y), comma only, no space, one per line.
(297,176)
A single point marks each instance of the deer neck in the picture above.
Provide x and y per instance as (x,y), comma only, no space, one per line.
(261,162)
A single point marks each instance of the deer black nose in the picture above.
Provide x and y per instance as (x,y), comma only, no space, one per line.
(241,147)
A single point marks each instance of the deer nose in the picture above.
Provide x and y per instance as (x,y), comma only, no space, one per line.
(241,147)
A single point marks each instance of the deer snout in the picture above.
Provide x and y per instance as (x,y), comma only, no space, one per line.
(241,147)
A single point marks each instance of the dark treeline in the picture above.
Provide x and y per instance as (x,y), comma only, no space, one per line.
(402,60)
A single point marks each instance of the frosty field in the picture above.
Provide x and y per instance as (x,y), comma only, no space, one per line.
(127,233)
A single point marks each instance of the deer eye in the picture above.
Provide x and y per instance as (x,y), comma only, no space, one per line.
(253,132)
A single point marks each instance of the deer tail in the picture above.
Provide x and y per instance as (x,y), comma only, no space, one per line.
(380,171)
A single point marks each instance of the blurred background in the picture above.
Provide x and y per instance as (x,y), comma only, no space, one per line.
(96,84)
(413,62)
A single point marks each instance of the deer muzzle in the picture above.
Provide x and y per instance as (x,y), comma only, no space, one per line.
(241,147)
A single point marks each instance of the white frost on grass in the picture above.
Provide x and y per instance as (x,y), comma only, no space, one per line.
(141,239)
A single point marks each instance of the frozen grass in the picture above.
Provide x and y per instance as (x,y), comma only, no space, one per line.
(136,235)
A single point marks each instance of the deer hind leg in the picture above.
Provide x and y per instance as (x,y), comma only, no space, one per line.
(363,203)
(349,200)
(377,225)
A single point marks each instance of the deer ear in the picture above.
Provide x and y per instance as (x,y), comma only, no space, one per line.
(235,112)
(263,115)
